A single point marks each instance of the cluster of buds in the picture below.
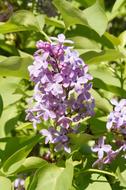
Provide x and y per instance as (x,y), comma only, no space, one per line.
(61,92)
(19,183)
(117,125)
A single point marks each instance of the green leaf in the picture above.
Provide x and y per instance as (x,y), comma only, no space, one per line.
(84,31)
(116,41)
(93,17)
(121,176)
(5,183)
(85,43)
(65,8)
(100,102)
(8,48)
(80,139)
(122,38)
(15,66)
(104,73)
(32,163)
(10,27)
(98,125)
(96,18)
(7,88)
(91,181)
(13,163)
(111,88)
(41,21)
(117,5)
(12,145)
(52,177)
(54,22)
(93,57)
(27,125)
(87,3)
(22,20)
(98,182)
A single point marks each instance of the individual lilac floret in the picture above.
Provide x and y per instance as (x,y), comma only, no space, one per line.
(62,88)
(61,39)
(101,148)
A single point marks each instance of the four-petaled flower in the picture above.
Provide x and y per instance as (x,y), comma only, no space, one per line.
(100,148)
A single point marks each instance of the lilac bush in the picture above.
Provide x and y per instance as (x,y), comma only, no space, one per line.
(61,92)
(58,128)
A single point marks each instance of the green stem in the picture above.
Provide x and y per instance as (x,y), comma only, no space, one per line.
(98,171)
(46,36)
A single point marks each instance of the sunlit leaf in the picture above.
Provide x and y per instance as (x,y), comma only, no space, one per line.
(52,177)
(22,20)
(15,66)
(117,5)
(94,16)
(32,163)
(92,57)
(5,183)
(13,163)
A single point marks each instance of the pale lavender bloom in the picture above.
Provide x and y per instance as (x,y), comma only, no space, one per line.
(59,138)
(123,148)
(110,156)
(49,134)
(54,88)
(100,148)
(117,118)
(61,146)
(64,122)
(19,183)
(61,39)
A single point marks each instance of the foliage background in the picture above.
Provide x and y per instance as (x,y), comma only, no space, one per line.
(98,30)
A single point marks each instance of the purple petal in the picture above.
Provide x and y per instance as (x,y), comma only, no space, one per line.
(106,148)
(101,141)
(100,153)
(95,148)
(67,149)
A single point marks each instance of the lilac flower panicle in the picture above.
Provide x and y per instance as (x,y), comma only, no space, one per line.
(62,90)
(117,118)
(117,123)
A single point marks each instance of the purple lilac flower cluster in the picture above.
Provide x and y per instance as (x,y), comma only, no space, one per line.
(61,91)
(117,125)
(105,153)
